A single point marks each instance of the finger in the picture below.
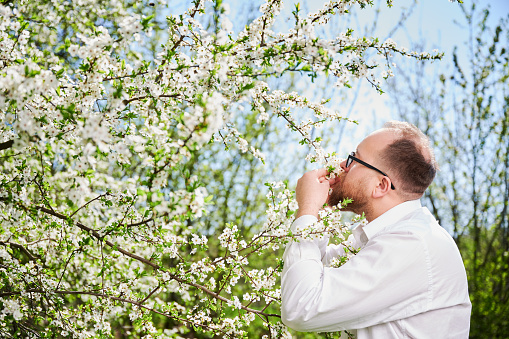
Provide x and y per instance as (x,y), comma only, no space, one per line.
(320,172)
(321,180)
(334,180)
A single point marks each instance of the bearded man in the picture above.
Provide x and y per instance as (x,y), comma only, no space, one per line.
(408,279)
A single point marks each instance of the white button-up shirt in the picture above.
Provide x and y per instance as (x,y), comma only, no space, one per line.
(407,281)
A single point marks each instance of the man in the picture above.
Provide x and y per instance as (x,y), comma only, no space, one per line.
(408,279)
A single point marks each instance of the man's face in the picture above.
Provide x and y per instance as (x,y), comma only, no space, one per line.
(357,181)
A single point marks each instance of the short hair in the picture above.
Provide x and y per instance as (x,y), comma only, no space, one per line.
(409,159)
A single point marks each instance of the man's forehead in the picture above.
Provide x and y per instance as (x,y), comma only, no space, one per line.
(384,135)
(376,141)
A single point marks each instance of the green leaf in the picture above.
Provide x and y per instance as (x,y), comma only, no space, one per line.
(84,67)
(146,21)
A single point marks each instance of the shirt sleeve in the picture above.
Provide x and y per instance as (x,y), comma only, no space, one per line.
(367,290)
(305,248)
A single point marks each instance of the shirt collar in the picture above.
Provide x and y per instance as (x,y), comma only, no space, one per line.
(363,233)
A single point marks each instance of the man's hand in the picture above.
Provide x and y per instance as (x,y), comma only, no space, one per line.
(312,192)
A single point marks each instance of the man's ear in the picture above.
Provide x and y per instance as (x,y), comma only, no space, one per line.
(383,188)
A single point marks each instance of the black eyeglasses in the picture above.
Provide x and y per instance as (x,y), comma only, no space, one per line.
(351,158)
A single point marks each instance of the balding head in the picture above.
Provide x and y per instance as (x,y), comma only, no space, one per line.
(409,159)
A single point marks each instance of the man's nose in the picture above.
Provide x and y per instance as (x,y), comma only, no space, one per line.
(342,164)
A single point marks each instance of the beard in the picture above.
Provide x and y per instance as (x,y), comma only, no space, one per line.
(343,189)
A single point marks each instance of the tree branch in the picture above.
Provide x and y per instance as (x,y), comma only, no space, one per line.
(21,248)
(6,144)
(128,101)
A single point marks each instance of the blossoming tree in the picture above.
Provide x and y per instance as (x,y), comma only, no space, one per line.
(101,228)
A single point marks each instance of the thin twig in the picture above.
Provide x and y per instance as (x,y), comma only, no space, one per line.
(90,201)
